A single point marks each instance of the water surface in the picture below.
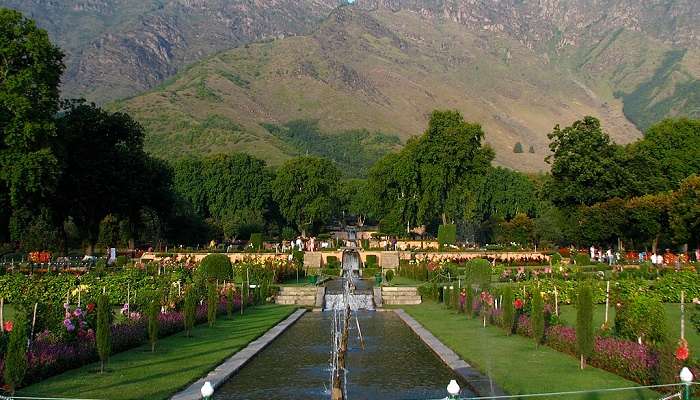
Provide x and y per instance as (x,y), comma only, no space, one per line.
(395,364)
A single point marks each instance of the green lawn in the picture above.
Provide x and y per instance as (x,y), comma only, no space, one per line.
(177,362)
(403,281)
(567,314)
(514,362)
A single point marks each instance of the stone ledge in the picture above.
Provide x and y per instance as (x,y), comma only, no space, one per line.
(229,367)
(478,382)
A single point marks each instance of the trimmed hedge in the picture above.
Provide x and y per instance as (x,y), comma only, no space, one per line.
(216,266)
(447,234)
(371,261)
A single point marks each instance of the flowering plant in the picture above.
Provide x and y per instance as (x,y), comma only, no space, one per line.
(682,352)
(7,326)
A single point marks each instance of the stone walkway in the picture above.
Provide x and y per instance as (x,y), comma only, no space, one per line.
(224,371)
(478,382)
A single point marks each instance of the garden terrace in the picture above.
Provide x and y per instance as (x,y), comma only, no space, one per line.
(178,361)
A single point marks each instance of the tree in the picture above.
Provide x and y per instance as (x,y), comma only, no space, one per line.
(518,148)
(305,191)
(230,300)
(685,211)
(505,193)
(190,310)
(216,267)
(106,171)
(587,167)
(212,303)
(537,317)
(153,323)
(16,355)
(449,150)
(30,72)
(585,336)
(103,332)
(508,310)
(668,153)
(647,218)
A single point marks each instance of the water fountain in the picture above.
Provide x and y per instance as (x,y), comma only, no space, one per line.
(342,305)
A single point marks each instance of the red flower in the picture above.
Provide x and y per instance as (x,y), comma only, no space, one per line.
(518,304)
(7,327)
(90,307)
(682,352)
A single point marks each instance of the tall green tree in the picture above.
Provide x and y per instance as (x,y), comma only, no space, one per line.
(103,333)
(153,323)
(508,310)
(212,303)
(106,171)
(16,356)
(587,166)
(537,317)
(449,150)
(585,336)
(305,190)
(685,212)
(668,153)
(190,310)
(30,72)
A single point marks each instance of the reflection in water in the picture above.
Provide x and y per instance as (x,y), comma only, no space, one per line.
(394,365)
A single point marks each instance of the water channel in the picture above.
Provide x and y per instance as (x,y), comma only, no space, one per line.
(395,363)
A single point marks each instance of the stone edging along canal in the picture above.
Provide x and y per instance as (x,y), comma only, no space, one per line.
(229,367)
(478,382)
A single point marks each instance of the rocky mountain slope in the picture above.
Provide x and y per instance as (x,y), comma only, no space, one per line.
(518,67)
(118,48)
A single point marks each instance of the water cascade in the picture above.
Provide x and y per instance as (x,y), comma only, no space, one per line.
(343,305)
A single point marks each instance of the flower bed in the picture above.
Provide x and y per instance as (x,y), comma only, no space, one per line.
(50,355)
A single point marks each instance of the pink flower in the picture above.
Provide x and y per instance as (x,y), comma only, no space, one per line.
(7,326)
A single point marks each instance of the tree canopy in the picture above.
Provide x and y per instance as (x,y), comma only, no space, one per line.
(305,190)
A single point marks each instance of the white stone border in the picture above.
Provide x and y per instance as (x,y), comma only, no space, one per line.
(229,367)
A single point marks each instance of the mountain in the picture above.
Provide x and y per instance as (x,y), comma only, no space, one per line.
(278,78)
(118,48)
(381,69)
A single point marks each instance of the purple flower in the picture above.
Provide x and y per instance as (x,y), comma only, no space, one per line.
(78,312)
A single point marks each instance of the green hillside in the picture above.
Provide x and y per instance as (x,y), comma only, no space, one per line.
(378,71)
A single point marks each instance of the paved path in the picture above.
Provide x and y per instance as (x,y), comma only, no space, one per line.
(224,371)
(479,383)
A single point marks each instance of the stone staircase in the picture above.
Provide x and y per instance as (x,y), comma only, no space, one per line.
(301,296)
(398,295)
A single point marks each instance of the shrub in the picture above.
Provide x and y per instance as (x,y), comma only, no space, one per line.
(365,244)
(189,311)
(389,275)
(371,261)
(479,272)
(447,234)
(16,358)
(121,261)
(508,317)
(556,258)
(332,262)
(212,297)
(537,318)
(256,240)
(585,337)
(469,299)
(641,317)
(582,259)
(216,266)
(153,314)
(229,302)
(429,291)
(518,148)
(102,335)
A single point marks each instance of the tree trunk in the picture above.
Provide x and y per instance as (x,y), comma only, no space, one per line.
(654,245)
(583,362)
(444,219)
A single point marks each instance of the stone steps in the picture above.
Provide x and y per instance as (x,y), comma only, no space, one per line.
(395,295)
(302,296)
